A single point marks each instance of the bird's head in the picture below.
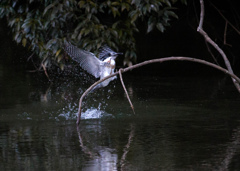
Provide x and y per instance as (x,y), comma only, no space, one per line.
(106,52)
(113,55)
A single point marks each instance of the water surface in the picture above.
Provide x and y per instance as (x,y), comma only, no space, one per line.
(181,123)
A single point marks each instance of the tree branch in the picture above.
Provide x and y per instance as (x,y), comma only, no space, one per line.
(238,32)
(209,40)
(150,62)
(228,71)
(225,35)
(45,71)
(120,75)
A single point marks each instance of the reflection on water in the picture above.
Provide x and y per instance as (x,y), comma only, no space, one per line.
(180,124)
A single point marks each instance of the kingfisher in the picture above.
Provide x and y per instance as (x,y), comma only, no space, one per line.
(98,67)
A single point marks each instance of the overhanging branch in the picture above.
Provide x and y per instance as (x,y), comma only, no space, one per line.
(210,41)
(227,71)
(150,62)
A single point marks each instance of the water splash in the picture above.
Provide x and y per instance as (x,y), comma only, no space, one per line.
(94,113)
(66,113)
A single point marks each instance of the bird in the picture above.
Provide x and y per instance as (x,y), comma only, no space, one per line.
(98,67)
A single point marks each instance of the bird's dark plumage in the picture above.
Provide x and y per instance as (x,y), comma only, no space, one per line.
(105,52)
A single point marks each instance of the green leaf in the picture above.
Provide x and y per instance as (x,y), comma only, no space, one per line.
(160,27)
(167,2)
(48,7)
(62,67)
(115,24)
(19,38)
(115,11)
(184,2)
(124,6)
(59,58)
(115,3)
(81,4)
(150,27)
(58,52)
(24,42)
(134,16)
(114,33)
(171,13)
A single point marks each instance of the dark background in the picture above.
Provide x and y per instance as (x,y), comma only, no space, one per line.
(180,39)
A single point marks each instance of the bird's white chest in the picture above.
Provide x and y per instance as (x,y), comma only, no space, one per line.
(110,61)
(109,67)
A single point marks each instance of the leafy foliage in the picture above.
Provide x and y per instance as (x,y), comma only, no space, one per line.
(43,25)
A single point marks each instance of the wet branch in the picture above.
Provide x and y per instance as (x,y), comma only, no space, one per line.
(210,41)
(120,75)
(150,62)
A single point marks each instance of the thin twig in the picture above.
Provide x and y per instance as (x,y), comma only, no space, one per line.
(30,57)
(209,50)
(238,32)
(209,40)
(150,62)
(225,35)
(45,71)
(121,79)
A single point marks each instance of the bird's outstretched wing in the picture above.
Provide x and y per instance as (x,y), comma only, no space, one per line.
(87,60)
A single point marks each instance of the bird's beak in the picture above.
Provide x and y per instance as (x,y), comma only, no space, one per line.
(118,53)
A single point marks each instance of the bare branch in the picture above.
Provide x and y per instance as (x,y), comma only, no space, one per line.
(45,71)
(225,35)
(209,40)
(209,50)
(228,71)
(201,16)
(238,32)
(150,62)
(120,75)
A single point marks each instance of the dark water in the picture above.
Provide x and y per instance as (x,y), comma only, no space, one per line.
(181,123)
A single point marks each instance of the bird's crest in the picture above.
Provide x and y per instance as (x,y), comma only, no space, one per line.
(104,52)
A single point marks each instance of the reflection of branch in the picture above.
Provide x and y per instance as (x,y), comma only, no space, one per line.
(84,148)
(150,62)
(126,149)
(30,57)
(230,151)
(44,95)
(120,75)
(209,40)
